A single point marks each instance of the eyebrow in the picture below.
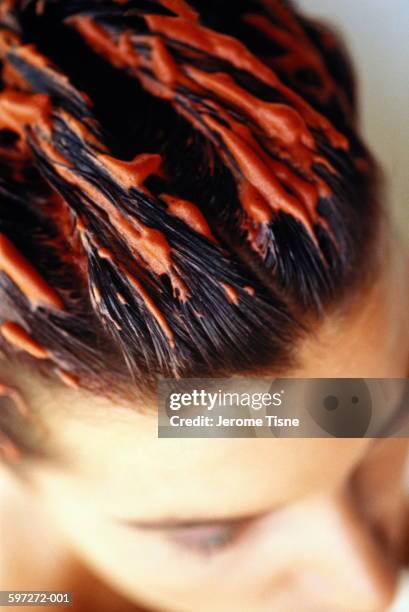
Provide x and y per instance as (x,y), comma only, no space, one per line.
(171,523)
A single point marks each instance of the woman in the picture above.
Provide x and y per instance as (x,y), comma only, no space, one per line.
(184,194)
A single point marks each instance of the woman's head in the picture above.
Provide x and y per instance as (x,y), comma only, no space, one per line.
(184,193)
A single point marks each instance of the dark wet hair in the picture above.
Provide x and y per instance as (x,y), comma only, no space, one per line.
(182,185)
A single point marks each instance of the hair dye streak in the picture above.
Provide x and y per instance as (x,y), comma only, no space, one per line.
(194,254)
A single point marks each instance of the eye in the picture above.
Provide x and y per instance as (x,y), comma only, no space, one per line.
(206,539)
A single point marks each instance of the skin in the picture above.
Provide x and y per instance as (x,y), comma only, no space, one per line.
(319,524)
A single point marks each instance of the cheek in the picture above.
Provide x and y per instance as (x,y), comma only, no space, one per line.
(146,568)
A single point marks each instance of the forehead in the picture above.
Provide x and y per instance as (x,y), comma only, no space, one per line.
(111,457)
(110,452)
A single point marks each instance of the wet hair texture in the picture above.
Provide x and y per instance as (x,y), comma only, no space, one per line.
(182,186)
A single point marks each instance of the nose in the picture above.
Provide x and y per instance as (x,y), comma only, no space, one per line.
(336,564)
(351,559)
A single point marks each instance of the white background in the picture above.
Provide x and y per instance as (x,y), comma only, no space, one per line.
(377,36)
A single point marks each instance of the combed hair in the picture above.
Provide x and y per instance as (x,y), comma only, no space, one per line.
(182,186)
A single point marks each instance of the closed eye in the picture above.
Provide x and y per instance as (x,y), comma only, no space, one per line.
(206,539)
(200,537)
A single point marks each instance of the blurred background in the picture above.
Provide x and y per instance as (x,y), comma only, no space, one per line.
(376,34)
